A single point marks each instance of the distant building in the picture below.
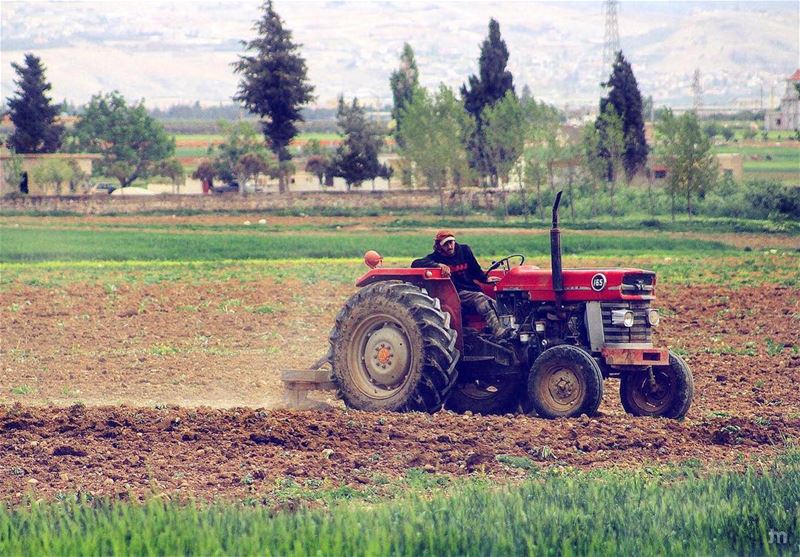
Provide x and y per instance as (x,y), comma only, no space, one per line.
(787,117)
(27,184)
(730,164)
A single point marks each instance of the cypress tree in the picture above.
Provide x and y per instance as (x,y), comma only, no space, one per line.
(625,98)
(274,84)
(35,130)
(486,89)
(403,81)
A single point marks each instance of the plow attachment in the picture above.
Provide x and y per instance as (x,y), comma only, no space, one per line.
(298,383)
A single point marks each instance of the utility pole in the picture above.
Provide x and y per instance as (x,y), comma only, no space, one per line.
(697,92)
(610,38)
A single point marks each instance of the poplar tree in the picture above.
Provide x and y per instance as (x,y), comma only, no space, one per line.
(685,150)
(432,139)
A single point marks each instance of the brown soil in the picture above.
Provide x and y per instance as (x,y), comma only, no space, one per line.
(185,142)
(218,346)
(179,452)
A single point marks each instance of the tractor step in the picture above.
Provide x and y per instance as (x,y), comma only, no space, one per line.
(298,382)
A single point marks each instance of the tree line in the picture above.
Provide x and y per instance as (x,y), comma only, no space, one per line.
(131,144)
(484,134)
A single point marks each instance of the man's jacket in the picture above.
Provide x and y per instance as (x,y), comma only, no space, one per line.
(464,268)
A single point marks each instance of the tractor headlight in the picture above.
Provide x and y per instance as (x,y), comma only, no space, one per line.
(622,317)
(628,321)
(653,318)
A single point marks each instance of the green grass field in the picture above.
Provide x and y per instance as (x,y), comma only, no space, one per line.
(195,151)
(632,222)
(558,511)
(52,255)
(183,151)
(43,244)
(734,270)
(191,152)
(772,135)
(210,137)
(768,161)
(214,137)
(319,136)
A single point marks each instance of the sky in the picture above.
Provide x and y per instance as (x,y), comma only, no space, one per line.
(169,52)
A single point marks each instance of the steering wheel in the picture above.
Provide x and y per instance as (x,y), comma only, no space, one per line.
(506,262)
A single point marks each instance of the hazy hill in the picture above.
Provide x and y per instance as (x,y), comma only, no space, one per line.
(170,52)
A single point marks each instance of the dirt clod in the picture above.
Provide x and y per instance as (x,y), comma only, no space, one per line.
(66,450)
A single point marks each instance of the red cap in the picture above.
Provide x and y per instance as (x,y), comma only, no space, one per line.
(443,236)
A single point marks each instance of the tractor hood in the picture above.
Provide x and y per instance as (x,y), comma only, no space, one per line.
(581,285)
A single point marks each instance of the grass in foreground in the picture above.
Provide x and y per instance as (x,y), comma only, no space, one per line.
(556,513)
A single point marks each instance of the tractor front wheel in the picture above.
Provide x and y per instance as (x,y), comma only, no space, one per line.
(668,393)
(564,382)
(392,348)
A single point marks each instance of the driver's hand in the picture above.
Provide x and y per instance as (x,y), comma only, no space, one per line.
(492,280)
(445,270)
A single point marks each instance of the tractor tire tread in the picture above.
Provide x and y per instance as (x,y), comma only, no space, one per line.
(438,369)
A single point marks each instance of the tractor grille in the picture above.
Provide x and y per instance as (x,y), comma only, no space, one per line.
(619,334)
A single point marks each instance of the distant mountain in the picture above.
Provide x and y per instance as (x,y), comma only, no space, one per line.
(179,52)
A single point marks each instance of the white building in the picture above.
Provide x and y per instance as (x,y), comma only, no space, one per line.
(787,117)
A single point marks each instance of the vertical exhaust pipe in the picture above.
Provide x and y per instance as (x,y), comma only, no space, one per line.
(555,254)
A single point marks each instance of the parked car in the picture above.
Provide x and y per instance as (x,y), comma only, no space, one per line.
(233,186)
(103,187)
(226,188)
(132,190)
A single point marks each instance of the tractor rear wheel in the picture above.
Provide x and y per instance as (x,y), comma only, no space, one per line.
(668,395)
(498,397)
(392,348)
(564,382)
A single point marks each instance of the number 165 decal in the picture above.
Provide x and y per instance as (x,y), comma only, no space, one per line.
(598,282)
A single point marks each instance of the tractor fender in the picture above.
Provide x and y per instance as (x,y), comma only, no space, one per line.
(439,287)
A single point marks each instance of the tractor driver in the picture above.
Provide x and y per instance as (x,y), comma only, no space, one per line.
(458,262)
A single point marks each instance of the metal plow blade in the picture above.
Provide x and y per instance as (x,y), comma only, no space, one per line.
(298,383)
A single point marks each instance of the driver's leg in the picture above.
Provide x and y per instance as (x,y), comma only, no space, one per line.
(482,305)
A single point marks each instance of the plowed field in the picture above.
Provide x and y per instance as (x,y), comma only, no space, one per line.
(176,360)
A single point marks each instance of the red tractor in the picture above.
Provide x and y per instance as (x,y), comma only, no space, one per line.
(403,343)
